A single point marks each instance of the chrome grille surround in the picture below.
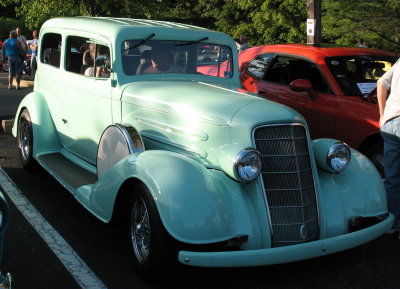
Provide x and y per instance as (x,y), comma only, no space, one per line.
(288,183)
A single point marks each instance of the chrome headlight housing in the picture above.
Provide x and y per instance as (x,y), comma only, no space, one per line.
(338,157)
(331,155)
(247,165)
(241,164)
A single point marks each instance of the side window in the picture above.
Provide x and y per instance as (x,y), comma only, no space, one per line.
(76,47)
(86,57)
(286,69)
(259,65)
(96,60)
(51,49)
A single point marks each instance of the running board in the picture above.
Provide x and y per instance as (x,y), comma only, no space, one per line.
(67,172)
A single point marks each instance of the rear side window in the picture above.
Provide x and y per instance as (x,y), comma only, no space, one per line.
(85,56)
(51,49)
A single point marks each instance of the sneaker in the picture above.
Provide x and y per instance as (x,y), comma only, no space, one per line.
(395,227)
(9,87)
(17,87)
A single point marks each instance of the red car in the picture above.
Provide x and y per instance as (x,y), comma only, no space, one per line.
(333,88)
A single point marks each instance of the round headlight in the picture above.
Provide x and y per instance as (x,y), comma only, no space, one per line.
(338,157)
(247,165)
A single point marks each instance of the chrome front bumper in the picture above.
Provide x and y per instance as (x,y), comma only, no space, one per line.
(270,256)
(6,282)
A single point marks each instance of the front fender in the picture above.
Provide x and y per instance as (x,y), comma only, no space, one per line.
(196,205)
(356,191)
(44,131)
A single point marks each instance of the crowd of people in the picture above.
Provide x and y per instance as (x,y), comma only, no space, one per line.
(15,49)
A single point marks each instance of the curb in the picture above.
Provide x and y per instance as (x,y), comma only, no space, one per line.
(7,125)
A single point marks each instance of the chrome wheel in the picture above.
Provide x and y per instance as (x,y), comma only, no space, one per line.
(140,230)
(25,139)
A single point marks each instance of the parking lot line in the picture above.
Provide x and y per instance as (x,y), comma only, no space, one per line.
(83,275)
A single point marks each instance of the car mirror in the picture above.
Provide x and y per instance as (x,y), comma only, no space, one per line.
(243,67)
(303,85)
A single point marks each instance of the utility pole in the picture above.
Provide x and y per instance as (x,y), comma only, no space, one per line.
(314,22)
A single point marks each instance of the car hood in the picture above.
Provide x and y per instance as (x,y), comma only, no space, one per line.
(198,117)
(204,101)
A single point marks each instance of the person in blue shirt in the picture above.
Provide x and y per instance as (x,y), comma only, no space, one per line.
(33,46)
(15,53)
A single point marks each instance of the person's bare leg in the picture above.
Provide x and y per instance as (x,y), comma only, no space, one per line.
(18,80)
(10,81)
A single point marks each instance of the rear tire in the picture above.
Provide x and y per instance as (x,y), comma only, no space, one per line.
(155,251)
(25,141)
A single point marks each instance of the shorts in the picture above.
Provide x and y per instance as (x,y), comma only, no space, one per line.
(15,65)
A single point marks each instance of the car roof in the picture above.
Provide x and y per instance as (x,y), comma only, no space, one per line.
(314,52)
(111,27)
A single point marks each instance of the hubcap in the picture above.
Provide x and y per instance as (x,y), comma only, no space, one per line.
(140,230)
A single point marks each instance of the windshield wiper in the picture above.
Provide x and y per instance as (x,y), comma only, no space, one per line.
(192,42)
(140,43)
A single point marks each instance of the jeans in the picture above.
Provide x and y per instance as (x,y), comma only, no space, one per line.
(15,65)
(33,66)
(390,132)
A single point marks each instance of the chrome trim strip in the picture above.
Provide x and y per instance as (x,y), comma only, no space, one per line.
(191,150)
(193,135)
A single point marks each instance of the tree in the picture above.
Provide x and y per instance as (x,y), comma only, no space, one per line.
(376,21)
(261,21)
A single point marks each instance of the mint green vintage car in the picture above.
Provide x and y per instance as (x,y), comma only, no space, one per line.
(145,120)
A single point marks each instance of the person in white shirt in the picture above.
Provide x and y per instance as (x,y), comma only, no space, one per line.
(388,94)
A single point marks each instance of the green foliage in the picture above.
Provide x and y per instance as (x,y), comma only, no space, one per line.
(376,21)
(8,24)
(271,21)
(261,21)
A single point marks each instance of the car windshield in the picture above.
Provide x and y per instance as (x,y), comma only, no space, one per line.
(156,56)
(357,75)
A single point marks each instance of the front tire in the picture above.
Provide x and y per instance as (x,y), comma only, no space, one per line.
(375,154)
(25,141)
(155,251)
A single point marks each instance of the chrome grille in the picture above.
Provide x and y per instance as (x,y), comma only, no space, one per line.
(288,183)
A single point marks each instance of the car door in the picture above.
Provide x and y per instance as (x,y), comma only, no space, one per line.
(87,98)
(269,75)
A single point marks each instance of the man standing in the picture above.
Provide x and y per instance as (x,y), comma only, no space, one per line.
(33,46)
(15,53)
(21,38)
(389,109)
